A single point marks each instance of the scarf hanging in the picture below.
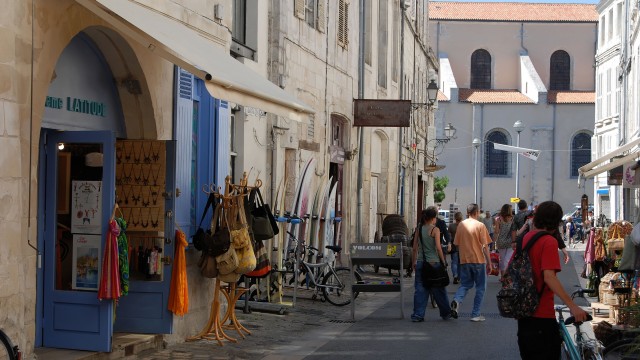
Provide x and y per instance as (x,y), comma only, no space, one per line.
(109,287)
(179,291)
(123,256)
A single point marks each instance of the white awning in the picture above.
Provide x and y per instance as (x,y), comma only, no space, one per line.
(225,77)
(610,165)
(589,169)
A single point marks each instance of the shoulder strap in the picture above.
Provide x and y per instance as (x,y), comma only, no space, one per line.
(210,202)
(424,257)
(535,238)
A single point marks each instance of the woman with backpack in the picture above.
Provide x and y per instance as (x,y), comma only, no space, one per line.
(502,236)
(427,248)
(538,336)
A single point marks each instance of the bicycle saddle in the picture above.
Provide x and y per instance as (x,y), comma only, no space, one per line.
(335,249)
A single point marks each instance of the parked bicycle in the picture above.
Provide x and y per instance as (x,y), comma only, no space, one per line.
(336,283)
(8,351)
(583,348)
(626,349)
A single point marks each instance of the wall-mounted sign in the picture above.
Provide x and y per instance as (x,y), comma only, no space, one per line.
(86,207)
(77,105)
(382,113)
(614,176)
(86,262)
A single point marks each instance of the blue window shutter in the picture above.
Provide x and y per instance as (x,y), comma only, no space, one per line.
(186,142)
(223,141)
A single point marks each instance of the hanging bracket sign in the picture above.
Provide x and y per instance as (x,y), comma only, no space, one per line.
(381,113)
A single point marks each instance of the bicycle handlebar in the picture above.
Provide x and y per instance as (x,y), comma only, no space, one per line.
(571,320)
(582,292)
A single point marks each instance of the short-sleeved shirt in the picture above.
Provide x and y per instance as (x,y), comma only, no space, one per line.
(519,220)
(471,236)
(543,256)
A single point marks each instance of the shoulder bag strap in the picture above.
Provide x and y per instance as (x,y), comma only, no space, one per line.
(424,257)
(535,238)
(210,202)
(215,220)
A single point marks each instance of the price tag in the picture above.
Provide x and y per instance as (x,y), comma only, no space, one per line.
(391,250)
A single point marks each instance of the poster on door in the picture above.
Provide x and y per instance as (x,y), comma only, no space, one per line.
(86,262)
(86,207)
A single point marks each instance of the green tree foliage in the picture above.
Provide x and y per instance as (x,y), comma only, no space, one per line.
(439,184)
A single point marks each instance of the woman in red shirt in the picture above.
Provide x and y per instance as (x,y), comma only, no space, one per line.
(538,335)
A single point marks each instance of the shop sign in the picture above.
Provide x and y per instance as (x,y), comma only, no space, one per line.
(90,107)
(381,113)
(615,175)
(336,154)
(631,178)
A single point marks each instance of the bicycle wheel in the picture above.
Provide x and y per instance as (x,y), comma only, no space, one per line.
(7,350)
(626,349)
(337,288)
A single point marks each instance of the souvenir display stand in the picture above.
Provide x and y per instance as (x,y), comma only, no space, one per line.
(618,288)
(377,254)
(217,322)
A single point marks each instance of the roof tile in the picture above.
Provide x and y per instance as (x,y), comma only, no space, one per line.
(571,97)
(510,11)
(493,96)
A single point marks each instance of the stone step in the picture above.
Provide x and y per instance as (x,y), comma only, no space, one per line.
(123,346)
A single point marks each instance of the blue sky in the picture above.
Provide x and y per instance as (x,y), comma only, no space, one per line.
(534,1)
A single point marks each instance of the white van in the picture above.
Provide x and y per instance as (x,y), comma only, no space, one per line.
(445,215)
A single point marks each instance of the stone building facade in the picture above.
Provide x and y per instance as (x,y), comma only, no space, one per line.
(113,80)
(507,62)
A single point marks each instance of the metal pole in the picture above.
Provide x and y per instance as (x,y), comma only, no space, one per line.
(361,130)
(475,173)
(517,165)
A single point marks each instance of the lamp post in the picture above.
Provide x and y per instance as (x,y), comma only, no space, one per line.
(476,144)
(518,126)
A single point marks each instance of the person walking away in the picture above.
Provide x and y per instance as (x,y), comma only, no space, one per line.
(489,222)
(502,236)
(538,336)
(570,232)
(455,258)
(427,247)
(472,239)
(520,219)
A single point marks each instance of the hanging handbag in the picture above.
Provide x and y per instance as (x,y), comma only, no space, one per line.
(229,278)
(220,242)
(208,266)
(263,223)
(200,238)
(227,262)
(263,266)
(616,241)
(246,260)
(239,232)
(432,277)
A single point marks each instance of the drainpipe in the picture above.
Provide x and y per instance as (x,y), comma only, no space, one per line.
(401,130)
(553,151)
(360,129)
(480,153)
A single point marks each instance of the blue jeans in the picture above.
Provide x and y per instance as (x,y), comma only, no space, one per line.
(421,297)
(455,264)
(471,274)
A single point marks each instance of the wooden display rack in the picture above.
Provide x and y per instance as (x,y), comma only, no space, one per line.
(215,326)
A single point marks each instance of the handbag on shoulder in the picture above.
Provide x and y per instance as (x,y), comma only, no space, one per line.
(432,277)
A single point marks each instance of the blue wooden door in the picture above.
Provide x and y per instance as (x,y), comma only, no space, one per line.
(73,317)
(144,309)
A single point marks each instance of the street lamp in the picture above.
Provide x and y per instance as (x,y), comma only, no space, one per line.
(476,144)
(518,126)
(432,95)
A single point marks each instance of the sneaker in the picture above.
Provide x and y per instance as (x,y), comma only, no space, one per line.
(454,309)
(456,280)
(414,319)
(478,318)
(453,315)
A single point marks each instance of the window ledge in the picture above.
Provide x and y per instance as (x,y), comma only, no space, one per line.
(241,50)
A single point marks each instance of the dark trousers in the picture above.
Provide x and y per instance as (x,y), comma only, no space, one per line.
(539,339)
